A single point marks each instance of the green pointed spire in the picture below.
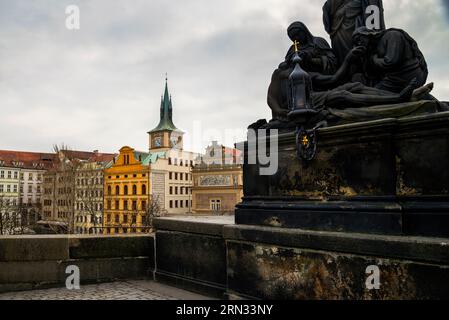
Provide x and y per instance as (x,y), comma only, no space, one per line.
(166,121)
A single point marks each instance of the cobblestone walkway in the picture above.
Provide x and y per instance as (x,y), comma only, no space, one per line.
(129,290)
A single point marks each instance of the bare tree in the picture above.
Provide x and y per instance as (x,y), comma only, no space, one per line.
(153,210)
(12,217)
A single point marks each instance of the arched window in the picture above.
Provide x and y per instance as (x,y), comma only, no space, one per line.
(134,189)
(117,190)
(144,189)
(126,190)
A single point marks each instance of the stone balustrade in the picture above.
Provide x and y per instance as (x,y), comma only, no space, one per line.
(31,262)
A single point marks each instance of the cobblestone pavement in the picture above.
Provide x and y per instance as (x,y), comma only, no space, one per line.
(129,290)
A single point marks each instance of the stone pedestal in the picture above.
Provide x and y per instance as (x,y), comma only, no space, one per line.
(381,177)
(376,194)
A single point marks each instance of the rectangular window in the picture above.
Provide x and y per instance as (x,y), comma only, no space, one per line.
(2,174)
(16,175)
(171,204)
(171,190)
(117,205)
(117,218)
(144,205)
(215,205)
(125,218)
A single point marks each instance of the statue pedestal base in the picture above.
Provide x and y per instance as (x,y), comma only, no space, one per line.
(388,176)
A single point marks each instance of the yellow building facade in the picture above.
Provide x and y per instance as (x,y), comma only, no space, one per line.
(217,188)
(127,197)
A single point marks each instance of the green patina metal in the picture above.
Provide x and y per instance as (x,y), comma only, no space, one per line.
(166,121)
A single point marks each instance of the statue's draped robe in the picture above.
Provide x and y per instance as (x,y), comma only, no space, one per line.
(342,17)
(323,59)
(395,62)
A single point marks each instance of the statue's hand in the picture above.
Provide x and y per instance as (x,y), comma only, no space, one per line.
(306,56)
(356,53)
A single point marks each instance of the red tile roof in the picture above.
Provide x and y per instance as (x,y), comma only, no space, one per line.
(37,160)
(28,160)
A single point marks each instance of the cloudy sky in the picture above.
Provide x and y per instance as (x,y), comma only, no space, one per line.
(100,87)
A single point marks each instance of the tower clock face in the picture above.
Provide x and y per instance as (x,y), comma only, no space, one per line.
(158,142)
(174,141)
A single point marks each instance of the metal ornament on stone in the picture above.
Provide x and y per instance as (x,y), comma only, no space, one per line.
(306,142)
(301,108)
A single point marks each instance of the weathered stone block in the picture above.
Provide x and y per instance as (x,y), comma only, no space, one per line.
(84,247)
(191,253)
(276,272)
(34,248)
(192,256)
(31,272)
(104,270)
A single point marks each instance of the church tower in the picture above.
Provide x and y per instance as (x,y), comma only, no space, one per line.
(166,136)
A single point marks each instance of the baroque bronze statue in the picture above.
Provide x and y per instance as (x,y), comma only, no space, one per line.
(342,17)
(384,74)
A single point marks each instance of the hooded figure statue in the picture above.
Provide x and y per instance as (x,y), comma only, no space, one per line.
(342,17)
(316,54)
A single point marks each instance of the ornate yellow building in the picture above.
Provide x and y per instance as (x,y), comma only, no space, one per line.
(127,193)
(217,188)
(218,181)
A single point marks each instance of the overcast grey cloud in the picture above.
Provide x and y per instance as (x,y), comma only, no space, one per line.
(100,87)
